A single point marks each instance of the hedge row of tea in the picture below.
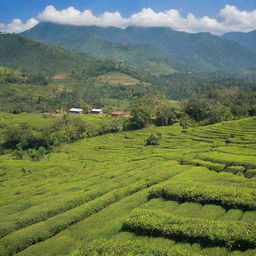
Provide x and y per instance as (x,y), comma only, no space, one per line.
(228,233)
(131,248)
(218,167)
(228,197)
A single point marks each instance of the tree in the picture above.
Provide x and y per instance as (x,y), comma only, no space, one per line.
(166,115)
(218,113)
(197,108)
(141,117)
(184,121)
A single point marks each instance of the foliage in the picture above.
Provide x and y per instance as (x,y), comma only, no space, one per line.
(84,191)
(131,248)
(166,115)
(153,139)
(197,109)
(23,238)
(228,197)
(210,165)
(227,233)
(36,143)
(138,45)
(141,117)
(246,39)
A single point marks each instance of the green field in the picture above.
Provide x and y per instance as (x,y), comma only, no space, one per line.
(192,195)
(115,78)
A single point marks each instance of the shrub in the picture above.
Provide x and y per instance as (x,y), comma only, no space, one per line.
(231,234)
(124,248)
(210,165)
(250,173)
(230,159)
(228,197)
(153,139)
(235,169)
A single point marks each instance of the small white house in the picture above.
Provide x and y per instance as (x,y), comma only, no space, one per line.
(76,111)
(97,111)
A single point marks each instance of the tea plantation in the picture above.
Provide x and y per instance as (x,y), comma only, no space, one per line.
(192,195)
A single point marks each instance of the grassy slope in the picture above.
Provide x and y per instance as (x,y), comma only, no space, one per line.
(86,190)
(115,78)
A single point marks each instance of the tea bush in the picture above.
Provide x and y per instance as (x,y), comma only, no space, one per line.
(228,197)
(225,233)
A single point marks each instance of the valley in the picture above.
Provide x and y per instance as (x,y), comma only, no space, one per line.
(128,136)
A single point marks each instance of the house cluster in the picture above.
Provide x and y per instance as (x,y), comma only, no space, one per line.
(94,111)
(98,111)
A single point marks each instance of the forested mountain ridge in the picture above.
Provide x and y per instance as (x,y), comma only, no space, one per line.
(246,39)
(96,42)
(202,51)
(21,53)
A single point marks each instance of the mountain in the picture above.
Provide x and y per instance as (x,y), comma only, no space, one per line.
(21,53)
(245,39)
(202,51)
(106,43)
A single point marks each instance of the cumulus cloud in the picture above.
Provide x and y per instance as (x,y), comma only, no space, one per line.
(17,26)
(230,18)
(75,17)
(234,19)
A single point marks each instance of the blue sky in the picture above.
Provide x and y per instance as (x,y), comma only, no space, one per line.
(216,10)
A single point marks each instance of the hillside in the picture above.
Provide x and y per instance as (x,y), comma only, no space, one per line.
(245,39)
(21,53)
(88,40)
(112,195)
(201,51)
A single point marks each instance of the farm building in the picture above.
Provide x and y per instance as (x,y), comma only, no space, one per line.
(96,111)
(120,113)
(75,111)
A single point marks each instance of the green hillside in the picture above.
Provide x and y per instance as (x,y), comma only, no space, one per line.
(21,53)
(78,39)
(245,39)
(144,56)
(178,50)
(192,195)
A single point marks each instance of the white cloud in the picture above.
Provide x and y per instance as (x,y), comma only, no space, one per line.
(230,18)
(17,26)
(75,17)
(234,19)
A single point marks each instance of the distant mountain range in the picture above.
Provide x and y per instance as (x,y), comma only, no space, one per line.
(157,49)
(246,39)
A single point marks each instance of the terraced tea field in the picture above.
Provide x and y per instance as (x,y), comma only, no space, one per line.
(193,195)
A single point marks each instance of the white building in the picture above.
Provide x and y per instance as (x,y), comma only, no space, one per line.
(97,111)
(75,111)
